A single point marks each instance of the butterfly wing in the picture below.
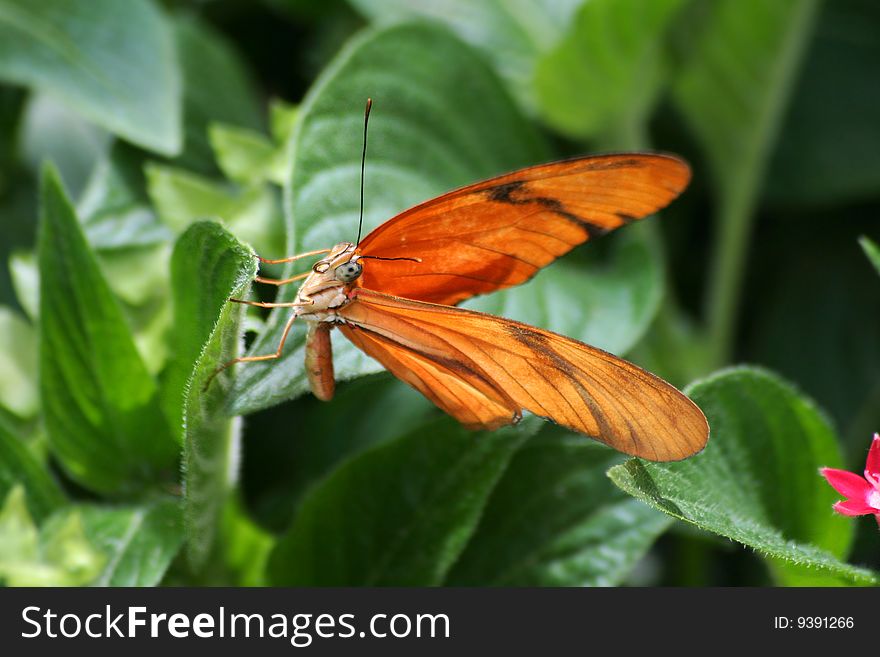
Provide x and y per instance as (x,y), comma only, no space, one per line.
(500,232)
(467,395)
(499,367)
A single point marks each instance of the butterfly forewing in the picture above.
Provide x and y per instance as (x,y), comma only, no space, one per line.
(500,232)
(479,366)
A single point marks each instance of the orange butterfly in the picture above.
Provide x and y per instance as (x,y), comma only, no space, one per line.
(393,296)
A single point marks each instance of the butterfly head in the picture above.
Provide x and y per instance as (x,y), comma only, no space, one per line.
(340,267)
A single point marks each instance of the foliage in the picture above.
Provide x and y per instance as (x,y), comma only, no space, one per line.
(148,150)
(754,483)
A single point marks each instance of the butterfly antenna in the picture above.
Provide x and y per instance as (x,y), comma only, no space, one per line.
(363,164)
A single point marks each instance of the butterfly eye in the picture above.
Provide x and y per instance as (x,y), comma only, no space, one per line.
(348,272)
(321,266)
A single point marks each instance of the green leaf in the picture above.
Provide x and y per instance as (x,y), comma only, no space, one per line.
(59,554)
(282,118)
(459,129)
(510,35)
(181,197)
(132,250)
(733,91)
(829,152)
(20,544)
(209,266)
(247,156)
(757,481)
(99,402)
(872,251)
(112,61)
(64,544)
(18,363)
(21,429)
(51,130)
(18,466)
(26,282)
(139,277)
(426,493)
(139,542)
(280,469)
(554,519)
(217,87)
(605,73)
(114,207)
(604,299)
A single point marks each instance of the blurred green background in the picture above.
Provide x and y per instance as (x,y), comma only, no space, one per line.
(183,134)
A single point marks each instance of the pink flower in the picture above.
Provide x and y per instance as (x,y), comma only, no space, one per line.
(862,495)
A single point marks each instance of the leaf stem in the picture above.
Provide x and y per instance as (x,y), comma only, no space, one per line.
(734,227)
(739,192)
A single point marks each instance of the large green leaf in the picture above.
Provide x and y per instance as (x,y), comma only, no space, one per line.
(757,481)
(112,61)
(139,542)
(115,207)
(554,519)
(398,514)
(209,266)
(604,74)
(19,466)
(732,91)
(100,404)
(512,36)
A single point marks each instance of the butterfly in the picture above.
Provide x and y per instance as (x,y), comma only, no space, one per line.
(394,295)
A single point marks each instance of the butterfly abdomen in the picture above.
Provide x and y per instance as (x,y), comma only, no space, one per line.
(319,361)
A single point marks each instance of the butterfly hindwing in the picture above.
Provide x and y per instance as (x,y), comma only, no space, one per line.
(499,367)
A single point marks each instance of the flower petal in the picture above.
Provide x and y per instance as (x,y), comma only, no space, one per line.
(872,499)
(848,484)
(872,465)
(853,508)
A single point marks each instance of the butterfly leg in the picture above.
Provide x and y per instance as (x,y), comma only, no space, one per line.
(285,281)
(292,258)
(271,304)
(254,359)
(281,281)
